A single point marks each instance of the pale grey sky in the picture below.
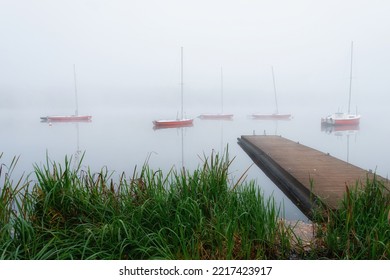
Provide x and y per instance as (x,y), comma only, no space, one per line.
(122,48)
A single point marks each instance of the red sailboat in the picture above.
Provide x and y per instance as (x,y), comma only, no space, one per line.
(218,116)
(178,122)
(69,118)
(276,115)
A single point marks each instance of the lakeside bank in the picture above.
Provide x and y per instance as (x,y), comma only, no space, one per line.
(70,213)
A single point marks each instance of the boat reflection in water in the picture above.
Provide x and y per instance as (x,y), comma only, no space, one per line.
(181,131)
(340,130)
(77,155)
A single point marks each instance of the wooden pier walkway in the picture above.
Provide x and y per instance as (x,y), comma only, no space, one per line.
(301,172)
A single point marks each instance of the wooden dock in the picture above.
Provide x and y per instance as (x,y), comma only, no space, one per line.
(302,173)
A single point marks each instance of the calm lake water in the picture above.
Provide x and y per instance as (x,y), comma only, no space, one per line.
(122,139)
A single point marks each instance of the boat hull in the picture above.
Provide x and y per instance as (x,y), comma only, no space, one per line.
(173,123)
(340,119)
(72,118)
(272,116)
(216,116)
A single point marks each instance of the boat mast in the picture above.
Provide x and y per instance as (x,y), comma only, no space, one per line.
(181,83)
(276,100)
(350,80)
(75,90)
(221,91)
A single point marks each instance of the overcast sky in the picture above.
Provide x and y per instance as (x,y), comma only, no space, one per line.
(125,48)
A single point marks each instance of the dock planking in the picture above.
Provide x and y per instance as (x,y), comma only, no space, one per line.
(303,173)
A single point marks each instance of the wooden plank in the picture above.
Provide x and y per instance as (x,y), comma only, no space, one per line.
(303,173)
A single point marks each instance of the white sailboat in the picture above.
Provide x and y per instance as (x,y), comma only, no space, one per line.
(220,115)
(341,118)
(178,122)
(275,115)
(69,118)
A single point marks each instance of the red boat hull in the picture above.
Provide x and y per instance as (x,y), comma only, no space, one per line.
(173,123)
(72,118)
(341,119)
(347,122)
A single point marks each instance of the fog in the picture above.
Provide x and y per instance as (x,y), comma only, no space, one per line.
(128,61)
(127,53)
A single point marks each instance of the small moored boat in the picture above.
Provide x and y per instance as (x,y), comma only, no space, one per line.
(178,122)
(276,115)
(69,118)
(173,123)
(218,116)
(271,116)
(343,118)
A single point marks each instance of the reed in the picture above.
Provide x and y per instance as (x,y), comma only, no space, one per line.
(360,228)
(70,213)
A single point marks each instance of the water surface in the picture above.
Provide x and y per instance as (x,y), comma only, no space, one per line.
(123,139)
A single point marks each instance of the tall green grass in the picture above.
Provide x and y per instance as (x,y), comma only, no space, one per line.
(70,213)
(66,212)
(360,228)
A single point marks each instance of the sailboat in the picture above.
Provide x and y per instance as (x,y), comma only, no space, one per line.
(178,122)
(69,118)
(341,118)
(221,115)
(275,115)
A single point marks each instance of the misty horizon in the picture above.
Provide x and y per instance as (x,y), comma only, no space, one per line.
(128,52)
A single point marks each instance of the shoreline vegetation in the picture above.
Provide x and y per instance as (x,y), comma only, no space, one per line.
(67,213)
